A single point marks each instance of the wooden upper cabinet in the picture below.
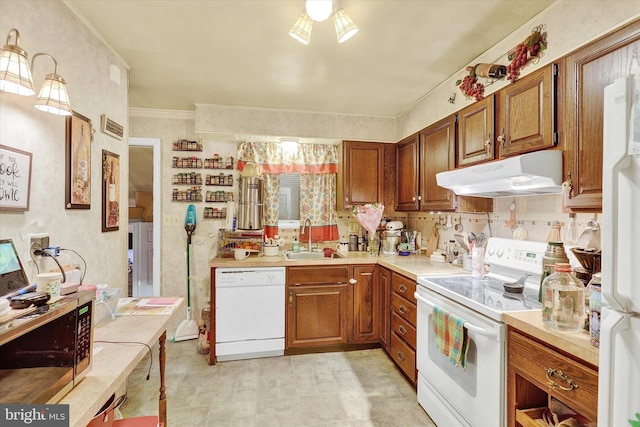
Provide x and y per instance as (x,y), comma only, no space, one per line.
(526,113)
(437,154)
(363,166)
(588,71)
(476,134)
(407,169)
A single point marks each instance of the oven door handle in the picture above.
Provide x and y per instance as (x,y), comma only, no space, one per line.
(471,328)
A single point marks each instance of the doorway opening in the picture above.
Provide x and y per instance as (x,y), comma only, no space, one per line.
(144,218)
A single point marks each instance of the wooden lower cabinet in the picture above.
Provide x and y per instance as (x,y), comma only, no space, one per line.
(317,315)
(403,325)
(538,375)
(332,306)
(384,280)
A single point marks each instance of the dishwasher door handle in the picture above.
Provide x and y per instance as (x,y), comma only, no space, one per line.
(470,327)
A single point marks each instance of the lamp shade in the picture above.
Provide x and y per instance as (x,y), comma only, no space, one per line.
(301,31)
(345,28)
(53,97)
(15,74)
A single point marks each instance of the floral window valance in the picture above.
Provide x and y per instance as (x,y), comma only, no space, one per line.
(275,159)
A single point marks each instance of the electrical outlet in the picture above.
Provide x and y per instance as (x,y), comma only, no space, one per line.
(171,220)
(38,241)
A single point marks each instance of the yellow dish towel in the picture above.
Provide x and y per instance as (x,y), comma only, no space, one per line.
(450,336)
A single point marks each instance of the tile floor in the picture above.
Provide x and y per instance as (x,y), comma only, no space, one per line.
(358,388)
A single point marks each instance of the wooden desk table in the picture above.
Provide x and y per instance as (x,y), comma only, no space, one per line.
(115,362)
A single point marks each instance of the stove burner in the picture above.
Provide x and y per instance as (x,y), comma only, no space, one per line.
(488,292)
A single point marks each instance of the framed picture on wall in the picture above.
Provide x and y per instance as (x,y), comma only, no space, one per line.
(79,134)
(15,179)
(110,191)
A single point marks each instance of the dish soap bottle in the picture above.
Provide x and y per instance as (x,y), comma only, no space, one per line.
(296,245)
(563,300)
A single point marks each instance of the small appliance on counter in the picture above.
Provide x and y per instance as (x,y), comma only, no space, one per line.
(392,237)
(47,350)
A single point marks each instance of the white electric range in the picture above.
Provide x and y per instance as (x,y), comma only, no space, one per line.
(476,395)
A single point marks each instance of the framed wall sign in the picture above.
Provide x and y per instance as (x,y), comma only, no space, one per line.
(15,179)
(110,191)
(79,135)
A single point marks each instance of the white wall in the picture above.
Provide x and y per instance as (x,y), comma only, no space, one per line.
(84,62)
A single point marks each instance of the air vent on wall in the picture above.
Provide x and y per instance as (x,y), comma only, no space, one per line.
(110,127)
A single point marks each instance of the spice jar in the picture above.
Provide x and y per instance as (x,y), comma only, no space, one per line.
(563,300)
(595,305)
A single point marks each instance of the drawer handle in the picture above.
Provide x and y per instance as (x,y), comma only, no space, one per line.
(401,356)
(403,288)
(403,309)
(402,330)
(551,372)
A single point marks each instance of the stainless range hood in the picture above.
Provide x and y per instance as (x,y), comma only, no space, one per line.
(529,174)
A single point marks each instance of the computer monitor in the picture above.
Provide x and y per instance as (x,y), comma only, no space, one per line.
(12,275)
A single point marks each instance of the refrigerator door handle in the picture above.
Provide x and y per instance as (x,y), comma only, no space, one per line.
(613,323)
(616,210)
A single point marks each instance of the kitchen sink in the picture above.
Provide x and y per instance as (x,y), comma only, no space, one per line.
(295,256)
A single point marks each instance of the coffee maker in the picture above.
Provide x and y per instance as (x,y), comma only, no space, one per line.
(589,259)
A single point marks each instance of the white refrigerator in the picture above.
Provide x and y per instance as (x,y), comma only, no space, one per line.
(619,361)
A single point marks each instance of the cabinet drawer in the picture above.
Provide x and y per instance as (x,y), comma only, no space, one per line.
(403,329)
(403,286)
(404,309)
(404,356)
(312,274)
(571,382)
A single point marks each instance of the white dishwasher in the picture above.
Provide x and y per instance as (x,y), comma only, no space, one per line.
(249,312)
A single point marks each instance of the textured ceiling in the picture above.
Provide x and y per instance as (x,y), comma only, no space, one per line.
(239,53)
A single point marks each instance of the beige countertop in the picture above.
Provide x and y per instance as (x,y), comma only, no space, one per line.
(114,362)
(575,343)
(411,266)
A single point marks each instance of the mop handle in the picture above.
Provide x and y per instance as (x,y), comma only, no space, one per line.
(188,277)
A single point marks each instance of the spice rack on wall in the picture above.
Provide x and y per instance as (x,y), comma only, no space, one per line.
(195,179)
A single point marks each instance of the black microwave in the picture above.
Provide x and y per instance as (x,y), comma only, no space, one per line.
(47,350)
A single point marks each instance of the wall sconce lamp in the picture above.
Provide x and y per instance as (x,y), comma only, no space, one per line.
(320,10)
(15,77)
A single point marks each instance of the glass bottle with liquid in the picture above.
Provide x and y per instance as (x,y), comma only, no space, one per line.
(563,300)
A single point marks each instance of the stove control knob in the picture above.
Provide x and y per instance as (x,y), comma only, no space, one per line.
(500,252)
(491,250)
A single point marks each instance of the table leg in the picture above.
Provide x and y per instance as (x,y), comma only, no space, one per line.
(162,404)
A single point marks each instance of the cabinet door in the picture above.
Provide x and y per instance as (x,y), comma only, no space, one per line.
(476,132)
(437,154)
(317,315)
(384,280)
(362,168)
(366,304)
(407,173)
(588,71)
(526,112)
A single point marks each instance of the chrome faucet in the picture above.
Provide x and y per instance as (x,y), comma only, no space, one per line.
(304,228)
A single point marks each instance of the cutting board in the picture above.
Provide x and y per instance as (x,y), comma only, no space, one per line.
(432,242)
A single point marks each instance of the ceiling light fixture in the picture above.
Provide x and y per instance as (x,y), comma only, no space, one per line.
(320,10)
(15,77)
(345,28)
